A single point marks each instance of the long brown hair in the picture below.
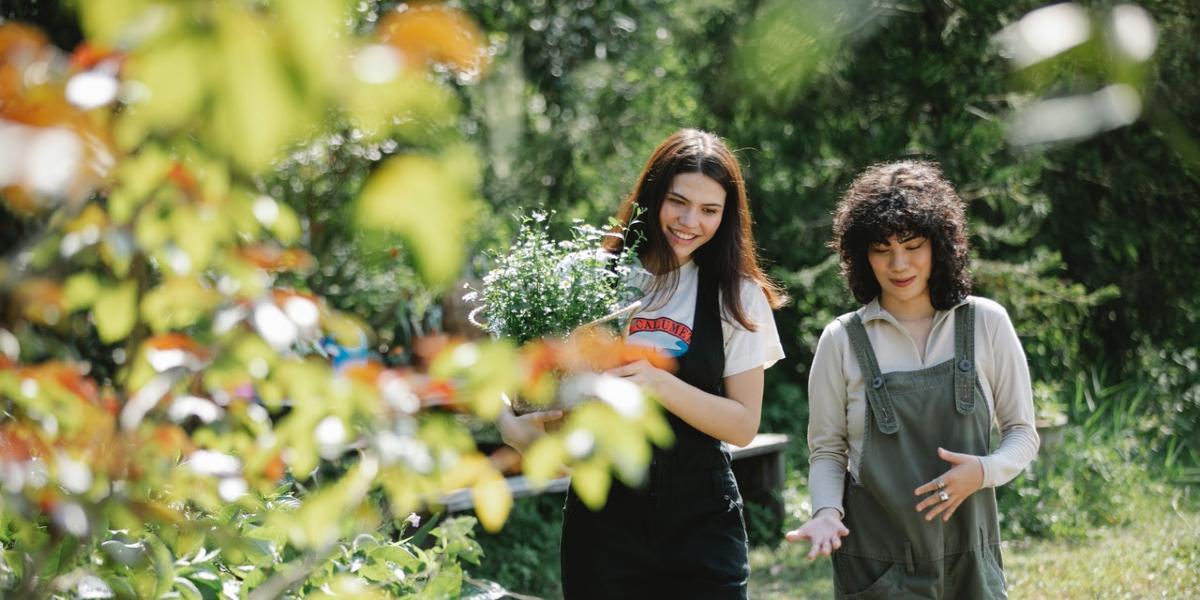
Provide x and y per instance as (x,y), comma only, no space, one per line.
(730,254)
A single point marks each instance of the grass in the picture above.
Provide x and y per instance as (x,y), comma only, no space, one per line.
(1155,556)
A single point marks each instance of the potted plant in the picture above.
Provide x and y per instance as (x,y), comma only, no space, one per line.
(541,287)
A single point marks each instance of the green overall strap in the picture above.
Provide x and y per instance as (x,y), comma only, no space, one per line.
(878,397)
(964,357)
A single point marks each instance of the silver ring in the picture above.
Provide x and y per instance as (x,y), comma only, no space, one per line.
(943,496)
(941,485)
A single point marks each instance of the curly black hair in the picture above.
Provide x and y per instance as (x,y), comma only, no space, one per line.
(906,198)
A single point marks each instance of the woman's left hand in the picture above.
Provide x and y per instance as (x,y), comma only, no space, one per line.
(962,480)
(644,374)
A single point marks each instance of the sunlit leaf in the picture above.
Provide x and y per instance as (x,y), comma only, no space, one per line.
(177,303)
(174,77)
(591,481)
(493,499)
(544,460)
(657,429)
(311,28)
(428,202)
(287,225)
(108,23)
(115,311)
(151,230)
(410,99)
(790,41)
(80,291)
(198,232)
(255,111)
(137,177)
(41,300)
(349,586)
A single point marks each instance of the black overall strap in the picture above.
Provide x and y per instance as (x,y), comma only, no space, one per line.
(964,358)
(878,397)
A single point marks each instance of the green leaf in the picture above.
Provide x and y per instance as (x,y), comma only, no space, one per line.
(107,22)
(373,106)
(493,500)
(116,312)
(591,482)
(198,232)
(255,111)
(187,589)
(177,303)
(80,291)
(173,74)
(544,459)
(287,225)
(310,27)
(396,555)
(446,583)
(428,202)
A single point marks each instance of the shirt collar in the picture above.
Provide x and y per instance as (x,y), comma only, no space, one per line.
(872,310)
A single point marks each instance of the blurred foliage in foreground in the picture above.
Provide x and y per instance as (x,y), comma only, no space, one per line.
(181,199)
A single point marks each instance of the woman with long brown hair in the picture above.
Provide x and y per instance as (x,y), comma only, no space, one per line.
(682,534)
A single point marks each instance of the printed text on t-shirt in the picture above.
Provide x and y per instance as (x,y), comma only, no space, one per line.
(670,326)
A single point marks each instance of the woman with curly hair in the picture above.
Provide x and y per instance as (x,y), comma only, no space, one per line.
(903,396)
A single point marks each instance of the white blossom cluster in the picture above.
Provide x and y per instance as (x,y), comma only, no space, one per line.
(540,287)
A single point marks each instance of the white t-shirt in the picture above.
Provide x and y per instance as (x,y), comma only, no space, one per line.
(668,326)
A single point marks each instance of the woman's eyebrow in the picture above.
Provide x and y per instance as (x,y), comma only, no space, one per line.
(681,196)
(911,238)
(678,195)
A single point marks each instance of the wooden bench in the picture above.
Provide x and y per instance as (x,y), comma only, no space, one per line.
(758,467)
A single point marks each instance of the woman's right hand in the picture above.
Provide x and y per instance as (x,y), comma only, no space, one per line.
(824,531)
(522,431)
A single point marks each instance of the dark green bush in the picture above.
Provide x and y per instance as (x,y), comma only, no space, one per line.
(523,557)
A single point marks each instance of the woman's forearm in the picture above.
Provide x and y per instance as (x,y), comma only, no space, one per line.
(727,419)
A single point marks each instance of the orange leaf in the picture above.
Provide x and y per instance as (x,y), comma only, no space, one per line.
(70,378)
(435,33)
(270,258)
(18,37)
(177,341)
(275,468)
(41,300)
(594,349)
(365,372)
(87,56)
(428,346)
(183,178)
(282,295)
(20,200)
(172,440)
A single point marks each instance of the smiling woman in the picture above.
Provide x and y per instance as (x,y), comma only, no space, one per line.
(681,533)
(691,213)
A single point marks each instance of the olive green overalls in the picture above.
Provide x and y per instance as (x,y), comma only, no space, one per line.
(892,551)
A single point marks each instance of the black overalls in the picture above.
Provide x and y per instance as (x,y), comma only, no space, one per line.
(681,535)
(892,551)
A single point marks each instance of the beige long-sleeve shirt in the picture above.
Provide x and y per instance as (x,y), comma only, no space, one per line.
(837,392)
